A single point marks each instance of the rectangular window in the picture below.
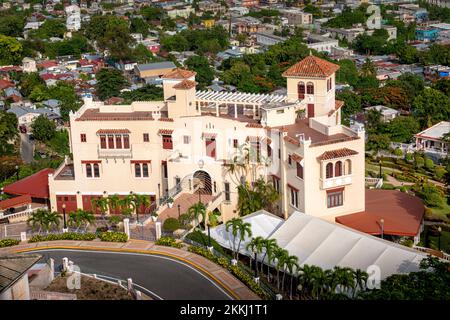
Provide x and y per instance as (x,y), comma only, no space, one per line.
(186,139)
(164,168)
(289,159)
(88,170)
(110,142)
(269,151)
(227,191)
(146,137)
(103,142)
(126,141)
(299,170)
(145,170)
(276,183)
(96,170)
(83,137)
(235,143)
(118,142)
(167,142)
(294,197)
(335,199)
(137,170)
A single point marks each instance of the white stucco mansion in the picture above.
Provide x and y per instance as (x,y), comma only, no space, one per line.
(185,143)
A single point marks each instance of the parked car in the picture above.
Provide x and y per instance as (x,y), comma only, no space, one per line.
(23,128)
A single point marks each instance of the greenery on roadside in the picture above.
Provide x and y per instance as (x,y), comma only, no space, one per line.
(63,236)
(8,242)
(110,236)
(201,238)
(168,242)
(171,224)
(236,271)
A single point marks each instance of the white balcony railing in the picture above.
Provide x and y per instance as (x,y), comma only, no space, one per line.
(115,153)
(336,182)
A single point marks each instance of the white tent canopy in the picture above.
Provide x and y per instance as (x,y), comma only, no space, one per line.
(325,244)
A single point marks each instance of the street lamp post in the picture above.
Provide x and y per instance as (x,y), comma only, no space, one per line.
(382,228)
(209,236)
(159,192)
(64,217)
(179,208)
(17,173)
(439,241)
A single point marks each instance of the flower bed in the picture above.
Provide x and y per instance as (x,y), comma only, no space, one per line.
(235,270)
(8,243)
(63,236)
(168,242)
(113,237)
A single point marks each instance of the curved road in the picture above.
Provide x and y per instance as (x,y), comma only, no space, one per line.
(166,278)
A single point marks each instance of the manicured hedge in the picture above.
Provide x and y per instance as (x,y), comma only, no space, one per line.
(8,243)
(201,238)
(235,270)
(171,224)
(168,242)
(113,236)
(63,236)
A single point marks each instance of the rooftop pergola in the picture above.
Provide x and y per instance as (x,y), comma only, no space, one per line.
(253,100)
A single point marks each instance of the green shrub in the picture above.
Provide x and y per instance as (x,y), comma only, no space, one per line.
(235,270)
(439,172)
(101,229)
(398,152)
(432,196)
(409,157)
(168,242)
(201,238)
(185,221)
(429,164)
(420,162)
(388,186)
(407,242)
(63,236)
(113,236)
(403,189)
(8,243)
(171,224)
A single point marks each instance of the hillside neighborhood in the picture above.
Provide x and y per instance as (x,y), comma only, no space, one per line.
(284,149)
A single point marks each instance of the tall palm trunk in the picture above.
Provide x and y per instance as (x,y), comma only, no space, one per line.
(284,277)
(290,288)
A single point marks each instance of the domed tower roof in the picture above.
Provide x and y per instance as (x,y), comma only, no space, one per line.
(311,66)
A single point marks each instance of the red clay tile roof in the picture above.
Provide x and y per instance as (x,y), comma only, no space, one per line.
(185,84)
(15,202)
(5,84)
(179,74)
(112,131)
(35,186)
(165,131)
(254,125)
(401,212)
(311,66)
(338,153)
(292,140)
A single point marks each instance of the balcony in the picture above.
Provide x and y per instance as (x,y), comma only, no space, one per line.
(114,153)
(335,182)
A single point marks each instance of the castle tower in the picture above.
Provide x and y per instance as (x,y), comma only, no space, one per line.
(173,78)
(179,93)
(312,81)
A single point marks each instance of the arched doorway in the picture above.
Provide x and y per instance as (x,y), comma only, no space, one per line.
(202,182)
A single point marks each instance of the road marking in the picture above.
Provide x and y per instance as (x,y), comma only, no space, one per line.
(161,255)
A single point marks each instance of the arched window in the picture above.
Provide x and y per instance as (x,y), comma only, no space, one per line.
(329,170)
(96,170)
(301,90)
(348,166)
(310,88)
(338,169)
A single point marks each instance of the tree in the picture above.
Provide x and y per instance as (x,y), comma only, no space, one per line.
(44,219)
(109,83)
(280,255)
(8,132)
(29,81)
(43,128)
(100,204)
(368,69)
(239,230)
(430,107)
(407,54)
(377,142)
(141,54)
(431,195)
(50,28)
(80,218)
(12,25)
(200,64)
(442,85)
(347,73)
(10,50)
(352,103)
(197,211)
(148,92)
(255,246)
(269,245)
(291,265)
(138,25)
(402,129)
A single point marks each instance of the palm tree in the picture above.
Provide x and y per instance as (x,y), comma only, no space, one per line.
(100,204)
(281,256)
(127,205)
(81,217)
(255,246)
(197,210)
(269,245)
(360,278)
(37,219)
(113,203)
(271,257)
(244,228)
(291,264)
(44,219)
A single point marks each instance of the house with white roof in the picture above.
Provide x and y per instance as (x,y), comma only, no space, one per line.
(432,140)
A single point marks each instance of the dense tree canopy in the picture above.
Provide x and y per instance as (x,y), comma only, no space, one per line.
(349,17)
(50,28)
(430,107)
(8,131)
(43,128)
(205,73)
(10,50)
(12,25)
(146,93)
(109,83)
